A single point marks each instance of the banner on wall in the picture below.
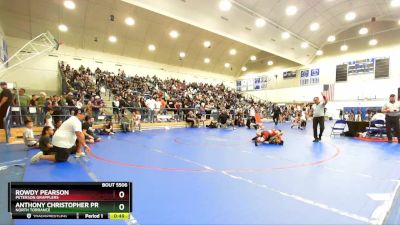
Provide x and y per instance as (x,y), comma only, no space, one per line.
(258,83)
(314,77)
(304,77)
(264,81)
(3,50)
(239,85)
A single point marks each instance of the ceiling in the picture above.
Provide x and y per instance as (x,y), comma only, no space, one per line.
(28,18)
(200,20)
(330,14)
(239,22)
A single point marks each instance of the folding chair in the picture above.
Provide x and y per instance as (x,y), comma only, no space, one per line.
(338,127)
(376,127)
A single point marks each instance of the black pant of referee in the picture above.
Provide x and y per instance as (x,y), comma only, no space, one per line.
(321,121)
(392,122)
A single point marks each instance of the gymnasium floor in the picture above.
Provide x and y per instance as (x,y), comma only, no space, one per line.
(217,176)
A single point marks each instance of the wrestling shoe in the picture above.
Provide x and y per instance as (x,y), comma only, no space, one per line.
(80,154)
(255,143)
(36,157)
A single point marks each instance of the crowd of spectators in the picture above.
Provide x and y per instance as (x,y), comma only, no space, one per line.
(151,96)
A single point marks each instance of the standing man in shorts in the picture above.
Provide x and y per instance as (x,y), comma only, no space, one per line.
(67,139)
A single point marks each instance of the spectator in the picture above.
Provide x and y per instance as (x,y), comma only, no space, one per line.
(157,108)
(108,128)
(88,130)
(223,119)
(191,119)
(5,102)
(136,121)
(45,141)
(151,105)
(97,104)
(116,109)
(48,120)
(23,102)
(29,138)
(125,123)
(58,124)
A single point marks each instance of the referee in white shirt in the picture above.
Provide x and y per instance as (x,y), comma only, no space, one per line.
(318,114)
(392,111)
(65,140)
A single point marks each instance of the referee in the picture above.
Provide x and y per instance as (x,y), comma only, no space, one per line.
(392,111)
(65,140)
(318,114)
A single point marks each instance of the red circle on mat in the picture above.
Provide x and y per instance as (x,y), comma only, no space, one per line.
(210,170)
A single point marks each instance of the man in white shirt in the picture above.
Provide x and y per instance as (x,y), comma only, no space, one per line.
(392,111)
(151,105)
(318,114)
(65,140)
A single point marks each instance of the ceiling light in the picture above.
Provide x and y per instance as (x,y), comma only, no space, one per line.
(291,10)
(363,31)
(319,52)
(174,34)
(207,44)
(232,51)
(227,65)
(182,54)
(314,26)
(373,42)
(350,16)
(344,48)
(129,21)
(63,28)
(270,63)
(152,47)
(285,35)
(253,58)
(260,22)
(225,5)
(395,3)
(244,68)
(206,60)
(112,39)
(331,38)
(69,4)
(304,45)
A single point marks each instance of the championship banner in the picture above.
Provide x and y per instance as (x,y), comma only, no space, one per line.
(304,77)
(257,83)
(314,79)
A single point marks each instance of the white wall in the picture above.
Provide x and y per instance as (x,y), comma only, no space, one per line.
(346,93)
(41,73)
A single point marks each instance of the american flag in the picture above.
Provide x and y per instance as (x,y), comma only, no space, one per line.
(329,91)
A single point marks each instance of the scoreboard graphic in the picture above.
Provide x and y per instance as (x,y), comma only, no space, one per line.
(74,200)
